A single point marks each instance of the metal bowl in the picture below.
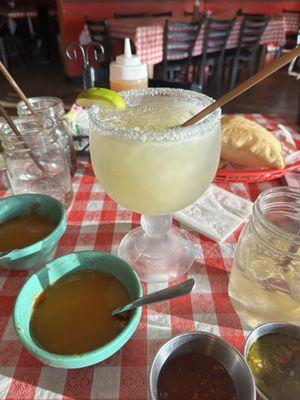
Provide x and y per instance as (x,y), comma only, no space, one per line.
(266,329)
(213,346)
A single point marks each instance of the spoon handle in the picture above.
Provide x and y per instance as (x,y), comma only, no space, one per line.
(161,295)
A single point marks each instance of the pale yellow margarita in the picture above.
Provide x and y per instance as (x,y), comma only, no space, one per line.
(143,162)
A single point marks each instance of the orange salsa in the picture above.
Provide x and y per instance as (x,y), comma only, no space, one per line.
(73,315)
(24,230)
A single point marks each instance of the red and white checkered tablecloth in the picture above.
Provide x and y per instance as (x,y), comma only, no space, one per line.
(291,22)
(147,35)
(20,12)
(97,222)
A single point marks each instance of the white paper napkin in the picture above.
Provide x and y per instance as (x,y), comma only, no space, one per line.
(293,179)
(216,214)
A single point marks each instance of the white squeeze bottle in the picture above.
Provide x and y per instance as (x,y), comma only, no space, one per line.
(127,72)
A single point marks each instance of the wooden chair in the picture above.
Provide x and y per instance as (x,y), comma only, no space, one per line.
(246,53)
(213,51)
(99,32)
(178,44)
(137,15)
(161,14)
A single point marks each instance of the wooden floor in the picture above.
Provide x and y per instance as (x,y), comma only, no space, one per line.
(277,94)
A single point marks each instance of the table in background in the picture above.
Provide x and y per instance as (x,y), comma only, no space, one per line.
(97,222)
(147,35)
(21,12)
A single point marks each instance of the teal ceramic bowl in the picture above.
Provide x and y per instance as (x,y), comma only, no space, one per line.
(42,251)
(50,273)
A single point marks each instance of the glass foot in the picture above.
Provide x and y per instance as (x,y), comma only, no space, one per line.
(157,252)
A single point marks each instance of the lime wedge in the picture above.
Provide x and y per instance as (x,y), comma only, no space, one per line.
(99,96)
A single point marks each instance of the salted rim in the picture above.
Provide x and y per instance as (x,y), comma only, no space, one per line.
(167,135)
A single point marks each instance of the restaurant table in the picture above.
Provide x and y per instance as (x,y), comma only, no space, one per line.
(97,222)
(21,12)
(147,35)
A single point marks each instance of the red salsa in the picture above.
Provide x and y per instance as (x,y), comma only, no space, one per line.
(195,377)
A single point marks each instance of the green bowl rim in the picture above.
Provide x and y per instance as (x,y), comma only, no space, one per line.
(55,234)
(36,349)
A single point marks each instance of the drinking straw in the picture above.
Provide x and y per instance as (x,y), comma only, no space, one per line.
(20,136)
(243,87)
(16,87)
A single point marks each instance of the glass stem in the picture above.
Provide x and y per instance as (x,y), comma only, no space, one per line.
(156,227)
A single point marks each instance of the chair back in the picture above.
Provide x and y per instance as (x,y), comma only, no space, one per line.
(161,14)
(99,32)
(250,15)
(179,39)
(285,11)
(2,25)
(216,35)
(252,29)
(136,15)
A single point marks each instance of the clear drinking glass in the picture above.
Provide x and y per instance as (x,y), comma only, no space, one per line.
(264,283)
(148,165)
(36,163)
(53,108)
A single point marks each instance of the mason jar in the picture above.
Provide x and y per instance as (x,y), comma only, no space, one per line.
(35,161)
(4,184)
(53,108)
(264,284)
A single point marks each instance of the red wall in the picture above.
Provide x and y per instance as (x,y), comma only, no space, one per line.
(267,7)
(73,13)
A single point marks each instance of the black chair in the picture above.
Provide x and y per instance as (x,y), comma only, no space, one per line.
(213,52)
(161,14)
(246,54)
(178,44)
(99,32)
(291,11)
(291,36)
(45,43)
(137,15)
(241,13)
(3,55)
(12,46)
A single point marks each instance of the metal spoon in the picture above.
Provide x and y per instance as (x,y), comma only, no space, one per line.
(161,295)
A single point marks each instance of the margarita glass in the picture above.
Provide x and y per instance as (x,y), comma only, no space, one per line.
(149,165)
